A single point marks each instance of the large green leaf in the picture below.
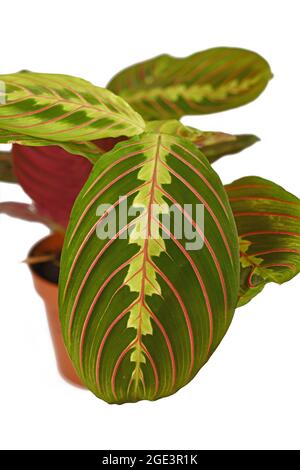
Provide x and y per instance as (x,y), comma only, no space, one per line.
(268,222)
(206,82)
(63,108)
(141,314)
(213,144)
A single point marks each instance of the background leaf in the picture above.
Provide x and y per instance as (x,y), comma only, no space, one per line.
(213,144)
(64,108)
(218,144)
(206,82)
(141,315)
(268,222)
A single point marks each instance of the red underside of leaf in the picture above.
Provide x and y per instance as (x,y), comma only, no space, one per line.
(51,177)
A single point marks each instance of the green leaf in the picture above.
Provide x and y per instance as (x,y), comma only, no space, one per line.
(63,108)
(206,82)
(7,174)
(213,144)
(141,314)
(7,137)
(268,223)
(90,150)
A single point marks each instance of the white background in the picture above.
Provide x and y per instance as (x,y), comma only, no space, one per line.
(247,396)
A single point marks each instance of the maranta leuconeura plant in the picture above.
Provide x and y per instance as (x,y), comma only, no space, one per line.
(142,311)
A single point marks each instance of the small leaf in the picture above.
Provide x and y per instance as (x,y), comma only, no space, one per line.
(268,222)
(28,212)
(218,144)
(7,174)
(206,82)
(213,144)
(63,108)
(141,312)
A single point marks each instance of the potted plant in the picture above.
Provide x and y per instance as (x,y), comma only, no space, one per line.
(150,252)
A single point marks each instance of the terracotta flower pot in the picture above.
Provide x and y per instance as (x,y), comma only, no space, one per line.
(44,281)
